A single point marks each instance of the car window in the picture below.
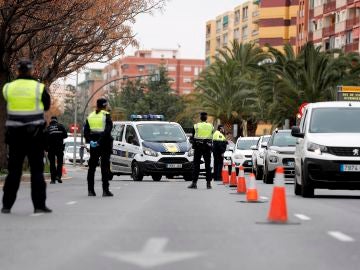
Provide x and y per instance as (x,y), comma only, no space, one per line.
(302,122)
(245,144)
(164,132)
(335,120)
(130,135)
(283,139)
(258,144)
(117,132)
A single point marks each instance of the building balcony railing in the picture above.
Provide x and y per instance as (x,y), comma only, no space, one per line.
(352,47)
(350,2)
(330,6)
(255,32)
(328,31)
(351,22)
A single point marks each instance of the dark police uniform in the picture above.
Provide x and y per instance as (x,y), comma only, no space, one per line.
(202,141)
(56,133)
(97,132)
(219,148)
(27,99)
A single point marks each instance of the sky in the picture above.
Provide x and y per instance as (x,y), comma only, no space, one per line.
(181,23)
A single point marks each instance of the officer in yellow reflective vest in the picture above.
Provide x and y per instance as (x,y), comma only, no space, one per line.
(219,148)
(201,141)
(97,132)
(26,100)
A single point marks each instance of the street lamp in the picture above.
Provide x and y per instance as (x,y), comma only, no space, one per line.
(156,77)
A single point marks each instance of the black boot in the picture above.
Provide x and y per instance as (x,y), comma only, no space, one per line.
(44,210)
(5,210)
(91,193)
(52,182)
(107,193)
(193,185)
(59,180)
(208,185)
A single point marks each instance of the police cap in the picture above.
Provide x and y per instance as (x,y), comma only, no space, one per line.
(24,64)
(203,114)
(101,103)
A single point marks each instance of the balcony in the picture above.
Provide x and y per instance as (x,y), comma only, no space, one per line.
(340,27)
(350,23)
(341,3)
(319,10)
(328,31)
(349,2)
(352,47)
(256,16)
(330,6)
(318,34)
(255,32)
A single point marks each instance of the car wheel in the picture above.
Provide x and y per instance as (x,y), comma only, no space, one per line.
(136,173)
(170,177)
(307,191)
(268,177)
(259,173)
(156,177)
(187,177)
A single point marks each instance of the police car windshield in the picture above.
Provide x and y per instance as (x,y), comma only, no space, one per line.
(163,132)
(246,144)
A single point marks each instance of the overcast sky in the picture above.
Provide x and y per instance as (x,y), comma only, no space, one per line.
(181,23)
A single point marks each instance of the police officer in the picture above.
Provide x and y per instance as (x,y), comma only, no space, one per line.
(56,133)
(201,141)
(97,132)
(26,99)
(219,148)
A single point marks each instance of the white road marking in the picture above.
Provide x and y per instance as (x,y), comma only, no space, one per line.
(302,217)
(37,214)
(264,198)
(71,203)
(152,254)
(341,236)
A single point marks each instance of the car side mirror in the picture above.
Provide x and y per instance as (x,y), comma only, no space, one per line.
(231,149)
(253,147)
(264,145)
(295,132)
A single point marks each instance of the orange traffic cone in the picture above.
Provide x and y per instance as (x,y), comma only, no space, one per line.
(251,193)
(64,171)
(278,210)
(233,176)
(225,174)
(241,183)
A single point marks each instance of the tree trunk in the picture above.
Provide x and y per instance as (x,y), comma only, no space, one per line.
(3,146)
(251,127)
(244,128)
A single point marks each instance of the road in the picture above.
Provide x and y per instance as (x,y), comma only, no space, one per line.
(163,225)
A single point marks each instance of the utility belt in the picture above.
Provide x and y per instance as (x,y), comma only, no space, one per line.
(202,143)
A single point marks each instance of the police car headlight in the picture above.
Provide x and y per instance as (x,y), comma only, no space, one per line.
(191,153)
(273,159)
(316,148)
(150,152)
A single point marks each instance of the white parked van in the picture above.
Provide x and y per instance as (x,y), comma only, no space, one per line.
(328,147)
(154,148)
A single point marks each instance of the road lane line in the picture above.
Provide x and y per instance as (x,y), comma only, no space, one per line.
(37,214)
(302,217)
(71,203)
(341,236)
(264,198)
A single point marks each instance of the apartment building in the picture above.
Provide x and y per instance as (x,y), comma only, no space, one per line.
(182,72)
(239,24)
(277,24)
(331,24)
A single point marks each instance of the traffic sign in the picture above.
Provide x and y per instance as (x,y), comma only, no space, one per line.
(348,93)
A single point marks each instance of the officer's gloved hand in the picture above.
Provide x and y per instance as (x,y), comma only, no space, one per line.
(93,144)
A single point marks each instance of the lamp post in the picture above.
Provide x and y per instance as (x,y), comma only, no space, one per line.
(75,117)
(156,76)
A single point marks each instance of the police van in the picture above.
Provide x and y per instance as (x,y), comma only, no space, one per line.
(147,145)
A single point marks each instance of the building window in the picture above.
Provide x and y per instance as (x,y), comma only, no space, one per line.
(186,91)
(218,26)
(208,30)
(171,68)
(237,16)
(196,71)
(349,38)
(140,67)
(245,12)
(225,22)
(207,46)
(218,42)
(244,32)
(187,80)
(187,69)
(236,33)
(225,40)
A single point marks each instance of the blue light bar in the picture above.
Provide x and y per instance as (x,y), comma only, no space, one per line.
(147,117)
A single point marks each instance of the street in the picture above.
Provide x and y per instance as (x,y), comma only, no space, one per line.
(164,225)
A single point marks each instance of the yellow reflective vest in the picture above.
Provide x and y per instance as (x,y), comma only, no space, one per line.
(218,136)
(24,98)
(97,121)
(203,131)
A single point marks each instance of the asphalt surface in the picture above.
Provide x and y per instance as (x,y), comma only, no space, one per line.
(163,225)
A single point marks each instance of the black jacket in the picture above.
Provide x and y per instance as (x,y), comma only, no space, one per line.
(55,135)
(103,138)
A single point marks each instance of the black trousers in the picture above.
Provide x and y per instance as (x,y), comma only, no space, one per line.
(25,142)
(218,164)
(56,167)
(202,151)
(95,154)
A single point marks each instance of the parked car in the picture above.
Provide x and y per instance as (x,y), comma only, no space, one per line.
(280,151)
(258,156)
(328,150)
(69,155)
(243,153)
(229,152)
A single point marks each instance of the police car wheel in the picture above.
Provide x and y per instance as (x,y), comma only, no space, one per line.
(156,177)
(136,173)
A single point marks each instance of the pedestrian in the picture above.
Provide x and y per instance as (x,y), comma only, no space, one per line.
(219,148)
(97,132)
(26,100)
(202,142)
(55,135)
